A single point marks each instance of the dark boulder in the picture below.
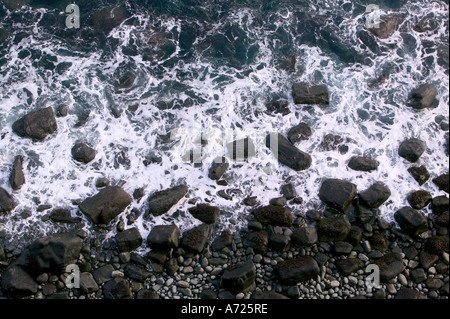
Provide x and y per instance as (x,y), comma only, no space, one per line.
(412,149)
(7,203)
(273,215)
(337,194)
(411,221)
(363,163)
(146,294)
(62,215)
(279,242)
(103,274)
(375,195)
(334,228)
(390,266)
(17,178)
(117,288)
(286,153)
(306,94)
(278,106)
(17,283)
(205,213)
(342,248)
(300,269)
(419,199)
(439,204)
(164,237)
(288,191)
(136,272)
(422,97)
(195,239)
(409,293)
(128,240)
(258,241)
(239,278)
(36,125)
(160,202)
(304,236)
(442,182)
(427,260)
(419,173)
(105,205)
(83,153)
(349,265)
(300,132)
(437,245)
(218,168)
(387,26)
(223,240)
(261,295)
(379,242)
(87,283)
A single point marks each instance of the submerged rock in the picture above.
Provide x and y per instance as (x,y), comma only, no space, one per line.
(17,178)
(287,154)
(422,97)
(300,132)
(419,173)
(6,201)
(161,202)
(388,25)
(83,153)
(218,168)
(412,149)
(36,125)
(306,94)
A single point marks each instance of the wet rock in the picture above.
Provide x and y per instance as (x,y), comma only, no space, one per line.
(298,133)
(17,178)
(427,260)
(286,153)
(128,240)
(387,26)
(83,153)
(239,278)
(419,173)
(390,266)
(300,269)
(337,193)
(313,215)
(205,213)
(411,221)
(87,283)
(102,182)
(62,111)
(223,240)
(426,24)
(15,4)
(164,237)
(306,94)
(261,295)
(418,275)
(105,205)
(442,220)
(439,204)
(375,195)
(331,142)
(288,191)
(218,168)
(273,215)
(333,228)
(117,288)
(408,293)
(422,97)
(349,265)
(195,238)
(108,18)
(279,242)
(136,272)
(103,274)
(363,163)
(278,201)
(442,182)
(342,248)
(437,245)
(124,81)
(278,106)
(419,199)
(62,215)
(412,149)
(258,240)
(379,242)
(7,203)
(36,125)
(304,236)
(17,283)
(250,201)
(161,202)
(146,294)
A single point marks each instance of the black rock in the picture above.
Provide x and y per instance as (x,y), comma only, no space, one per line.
(261,295)
(299,133)
(337,194)
(7,203)
(313,215)
(17,178)
(87,283)
(164,237)
(208,294)
(83,153)
(343,248)
(390,266)
(333,228)
(304,236)
(2,254)
(146,294)
(300,269)
(218,168)
(61,215)
(278,201)
(442,220)
(136,272)
(250,201)
(105,205)
(442,182)
(437,245)
(160,202)
(239,278)
(36,125)
(349,265)
(379,242)
(258,240)
(419,199)
(103,274)
(288,191)
(411,221)
(273,215)
(422,97)
(427,260)
(279,242)
(418,275)
(286,153)
(419,173)
(128,240)
(412,149)
(408,293)
(102,182)
(195,238)
(375,195)
(306,94)
(223,240)
(205,213)
(363,163)
(387,26)
(117,288)
(17,283)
